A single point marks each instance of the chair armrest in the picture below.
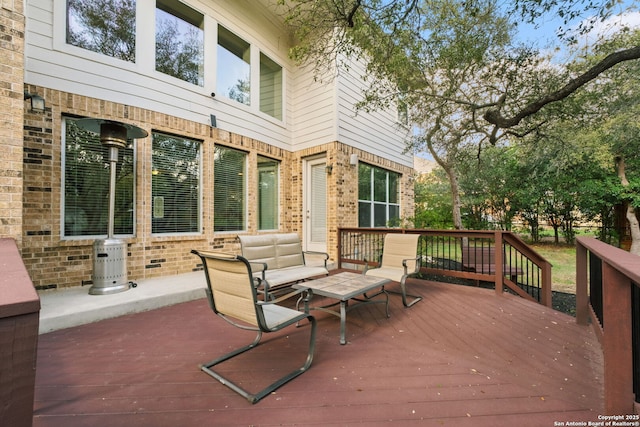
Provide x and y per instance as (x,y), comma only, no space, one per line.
(326,256)
(366,264)
(258,267)
(416,259)
(284,297)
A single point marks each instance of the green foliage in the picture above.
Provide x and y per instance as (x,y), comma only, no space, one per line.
(489,184)
(433,201)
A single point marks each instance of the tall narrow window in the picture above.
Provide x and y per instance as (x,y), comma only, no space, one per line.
(268,186)
(402,112)
(364,195)
(378,196)
(234,67)
(179,41)
(107,27)
(270,87)
(175,184)
(229,189)
(86,185)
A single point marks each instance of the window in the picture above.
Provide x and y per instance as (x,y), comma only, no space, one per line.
(378,196)
(229,189)
(175,184)
(268,183)
(107,27)
(86,185)
(234,67)
(270,87)
(179,41)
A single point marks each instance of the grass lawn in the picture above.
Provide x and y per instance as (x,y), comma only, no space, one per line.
(563,260)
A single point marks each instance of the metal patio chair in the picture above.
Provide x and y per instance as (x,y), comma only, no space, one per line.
(233,296)
(398,261)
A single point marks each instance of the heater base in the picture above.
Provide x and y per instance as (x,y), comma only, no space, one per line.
(109,267)
(107,290)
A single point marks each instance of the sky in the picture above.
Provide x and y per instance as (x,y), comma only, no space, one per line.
(545,34)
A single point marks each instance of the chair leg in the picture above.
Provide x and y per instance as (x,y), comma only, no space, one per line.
(404,293)
(255,397)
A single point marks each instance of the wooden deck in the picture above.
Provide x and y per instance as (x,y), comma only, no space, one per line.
(463,356)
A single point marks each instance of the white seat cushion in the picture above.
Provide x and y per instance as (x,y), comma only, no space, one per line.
(293,274)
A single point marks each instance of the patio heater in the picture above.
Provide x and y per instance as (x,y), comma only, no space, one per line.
(110,255)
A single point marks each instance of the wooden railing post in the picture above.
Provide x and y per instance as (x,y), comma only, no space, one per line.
(617,339)
(582,284)
(499,263)
(546,291)
(339,248)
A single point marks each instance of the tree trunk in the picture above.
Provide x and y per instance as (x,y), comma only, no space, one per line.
(635,230)
(634,226)
(455,198)
(448,165)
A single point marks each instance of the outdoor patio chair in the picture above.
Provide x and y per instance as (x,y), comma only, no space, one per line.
(398,261)
(233,296)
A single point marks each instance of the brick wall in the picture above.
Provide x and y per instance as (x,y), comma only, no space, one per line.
(54,262)
(12,24)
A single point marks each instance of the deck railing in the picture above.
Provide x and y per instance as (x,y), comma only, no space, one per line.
(500,257)
(19,321)
(608,296)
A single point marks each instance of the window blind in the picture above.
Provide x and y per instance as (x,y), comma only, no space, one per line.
(175,184)
(268,189)
(229,189)
(86,185)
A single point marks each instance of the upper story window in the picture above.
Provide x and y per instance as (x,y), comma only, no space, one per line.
(402,112)
(268,193)
(175,184)
(229,189)
(234,67)
(171,40)
(85,185)
(378,196)
(107,27)
(270,87)
(180,41)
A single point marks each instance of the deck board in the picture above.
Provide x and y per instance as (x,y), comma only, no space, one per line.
(462,356)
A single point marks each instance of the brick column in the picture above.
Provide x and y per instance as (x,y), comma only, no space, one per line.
(12,27)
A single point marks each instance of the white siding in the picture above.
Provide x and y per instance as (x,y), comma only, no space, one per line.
(327,112)
(51,63)
(377,132)
(313,114)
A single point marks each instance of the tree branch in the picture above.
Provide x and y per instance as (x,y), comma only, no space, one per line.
(352,13)
(494,116)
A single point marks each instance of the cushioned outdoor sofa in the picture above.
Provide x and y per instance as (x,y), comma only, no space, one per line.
(277,260)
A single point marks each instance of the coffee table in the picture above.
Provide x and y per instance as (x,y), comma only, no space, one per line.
(344,287)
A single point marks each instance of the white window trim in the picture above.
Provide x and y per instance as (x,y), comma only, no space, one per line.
(145,55)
